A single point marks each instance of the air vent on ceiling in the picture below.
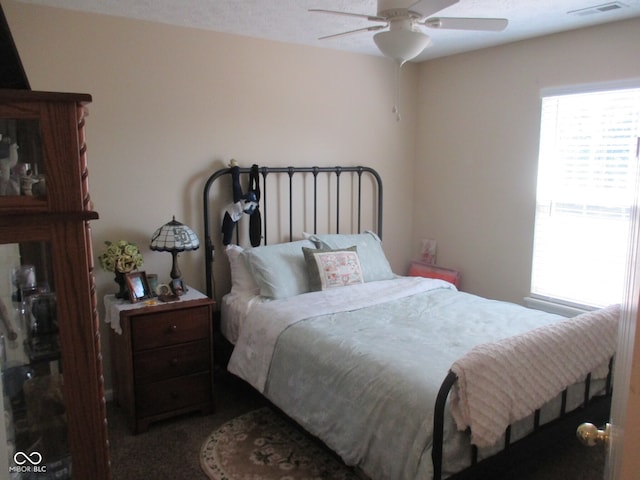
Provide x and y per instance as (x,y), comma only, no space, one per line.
(606,7)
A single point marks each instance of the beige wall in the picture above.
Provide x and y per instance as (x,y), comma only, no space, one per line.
(477,146)
(171,105)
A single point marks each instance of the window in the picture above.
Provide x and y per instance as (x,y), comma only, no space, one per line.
(586,180)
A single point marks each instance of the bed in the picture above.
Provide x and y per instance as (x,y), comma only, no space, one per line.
(403,377)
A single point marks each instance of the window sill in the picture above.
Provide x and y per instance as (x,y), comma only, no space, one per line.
(552,306)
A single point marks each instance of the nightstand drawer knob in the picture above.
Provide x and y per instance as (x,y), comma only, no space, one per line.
(174,361)
(173,328)
(175,395)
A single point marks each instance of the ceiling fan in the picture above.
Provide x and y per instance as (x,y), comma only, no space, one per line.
(403,38)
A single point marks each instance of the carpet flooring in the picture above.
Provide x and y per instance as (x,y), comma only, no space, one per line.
(170,449)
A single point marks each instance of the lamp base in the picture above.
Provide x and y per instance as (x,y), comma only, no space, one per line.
(175,270)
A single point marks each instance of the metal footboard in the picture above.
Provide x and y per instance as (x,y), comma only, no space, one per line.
(592,408)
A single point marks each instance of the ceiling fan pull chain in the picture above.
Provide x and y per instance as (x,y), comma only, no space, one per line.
(396,106)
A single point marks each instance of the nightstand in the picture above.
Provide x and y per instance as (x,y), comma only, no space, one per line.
(162,357)
(428,270)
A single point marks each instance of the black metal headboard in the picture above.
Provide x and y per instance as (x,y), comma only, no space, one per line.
(214,228)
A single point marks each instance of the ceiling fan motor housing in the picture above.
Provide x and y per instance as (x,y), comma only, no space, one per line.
(389,5)
(401,19)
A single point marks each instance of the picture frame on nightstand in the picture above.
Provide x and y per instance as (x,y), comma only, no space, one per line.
(138,286)
(153,282)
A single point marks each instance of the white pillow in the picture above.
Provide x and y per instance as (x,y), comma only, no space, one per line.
(279,270)
(373,261)
(241,279)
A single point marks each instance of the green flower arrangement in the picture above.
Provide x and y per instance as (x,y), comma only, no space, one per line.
(120,257)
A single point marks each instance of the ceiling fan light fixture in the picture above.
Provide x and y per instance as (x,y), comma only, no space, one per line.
(401,45)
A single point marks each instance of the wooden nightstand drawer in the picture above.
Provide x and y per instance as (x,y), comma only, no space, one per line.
(168,328)
(153,365)
(173,394)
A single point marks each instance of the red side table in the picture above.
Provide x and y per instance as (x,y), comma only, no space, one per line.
(428,270)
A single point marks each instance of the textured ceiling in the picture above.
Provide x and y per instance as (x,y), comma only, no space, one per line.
(289,20)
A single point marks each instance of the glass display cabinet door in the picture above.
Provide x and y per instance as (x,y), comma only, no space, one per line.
(42,152)
(22,166)
(34,420)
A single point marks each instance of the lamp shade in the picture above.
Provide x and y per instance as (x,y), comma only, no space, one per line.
(401,44)
(174,237)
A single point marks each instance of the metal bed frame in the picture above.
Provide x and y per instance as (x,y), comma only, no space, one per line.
(592,409)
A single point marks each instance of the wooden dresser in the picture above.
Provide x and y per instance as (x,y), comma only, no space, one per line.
(162,357)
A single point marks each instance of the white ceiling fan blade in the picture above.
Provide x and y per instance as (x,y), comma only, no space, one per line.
(372,18)
(365,29)
(455,23)
(429,7)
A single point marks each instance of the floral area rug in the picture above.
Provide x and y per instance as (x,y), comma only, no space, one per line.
(262,444)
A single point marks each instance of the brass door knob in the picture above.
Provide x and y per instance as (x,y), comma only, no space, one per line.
(590,435)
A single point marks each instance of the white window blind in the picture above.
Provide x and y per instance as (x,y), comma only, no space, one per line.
(586,181)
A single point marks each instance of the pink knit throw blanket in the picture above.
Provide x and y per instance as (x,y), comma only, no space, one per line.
(500,383)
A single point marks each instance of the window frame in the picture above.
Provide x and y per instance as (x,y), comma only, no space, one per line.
(544,301)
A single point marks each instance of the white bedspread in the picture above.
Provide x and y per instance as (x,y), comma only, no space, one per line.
(266,321)
(505,381)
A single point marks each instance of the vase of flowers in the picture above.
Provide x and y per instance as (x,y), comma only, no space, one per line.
(121,258)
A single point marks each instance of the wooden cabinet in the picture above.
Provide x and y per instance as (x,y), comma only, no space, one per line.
(162,357)
(53,392)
